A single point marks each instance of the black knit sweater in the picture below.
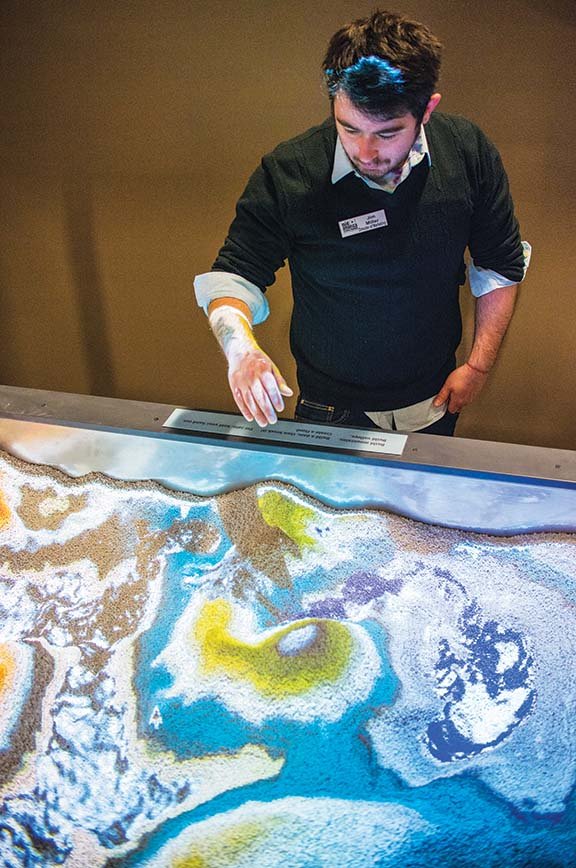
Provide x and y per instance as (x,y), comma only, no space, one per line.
(376,319)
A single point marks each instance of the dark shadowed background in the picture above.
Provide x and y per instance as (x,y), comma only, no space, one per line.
(129,129)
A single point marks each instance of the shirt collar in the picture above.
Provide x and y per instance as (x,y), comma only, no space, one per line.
(342,165)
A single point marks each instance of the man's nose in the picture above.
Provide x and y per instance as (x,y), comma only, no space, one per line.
(367,150)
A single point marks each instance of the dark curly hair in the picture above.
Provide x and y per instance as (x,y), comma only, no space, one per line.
(385,64)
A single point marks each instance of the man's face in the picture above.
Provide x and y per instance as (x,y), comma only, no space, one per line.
(376,146)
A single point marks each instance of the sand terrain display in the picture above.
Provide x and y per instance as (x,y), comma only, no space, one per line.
(258,679)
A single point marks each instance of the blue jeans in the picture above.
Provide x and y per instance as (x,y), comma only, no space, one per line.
(311,411)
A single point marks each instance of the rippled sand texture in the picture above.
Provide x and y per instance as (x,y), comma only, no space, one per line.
(255,679)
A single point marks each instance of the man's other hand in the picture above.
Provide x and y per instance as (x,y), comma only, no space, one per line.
(462,386)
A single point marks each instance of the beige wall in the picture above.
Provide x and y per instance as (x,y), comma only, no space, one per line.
(129,129)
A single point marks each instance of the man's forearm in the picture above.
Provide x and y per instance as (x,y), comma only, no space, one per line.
(231,324)
(493,314)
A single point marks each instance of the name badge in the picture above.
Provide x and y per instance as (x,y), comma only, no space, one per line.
(363,223)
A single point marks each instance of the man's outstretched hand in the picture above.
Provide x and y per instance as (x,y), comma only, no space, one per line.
(257,385)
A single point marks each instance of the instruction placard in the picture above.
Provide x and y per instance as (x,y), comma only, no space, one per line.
(287,433)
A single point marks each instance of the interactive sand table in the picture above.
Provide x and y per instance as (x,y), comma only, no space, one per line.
(258,677)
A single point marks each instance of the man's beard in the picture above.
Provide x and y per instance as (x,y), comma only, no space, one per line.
(379,171)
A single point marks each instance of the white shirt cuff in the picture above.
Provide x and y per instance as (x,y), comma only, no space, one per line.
(222,284)
(484,280)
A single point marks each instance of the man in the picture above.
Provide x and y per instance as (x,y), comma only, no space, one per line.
(374,210)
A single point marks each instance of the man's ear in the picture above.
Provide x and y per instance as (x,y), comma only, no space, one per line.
(432,103)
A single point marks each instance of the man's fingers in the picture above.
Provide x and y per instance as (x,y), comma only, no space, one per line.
(282,384)
(272,387)
(241,404)
(254,404)
(254,408)
(263,402)
(454,407)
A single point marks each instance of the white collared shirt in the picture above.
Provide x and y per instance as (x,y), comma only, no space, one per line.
(343,166)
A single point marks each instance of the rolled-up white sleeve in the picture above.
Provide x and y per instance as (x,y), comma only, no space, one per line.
(484,280)
(223,284)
